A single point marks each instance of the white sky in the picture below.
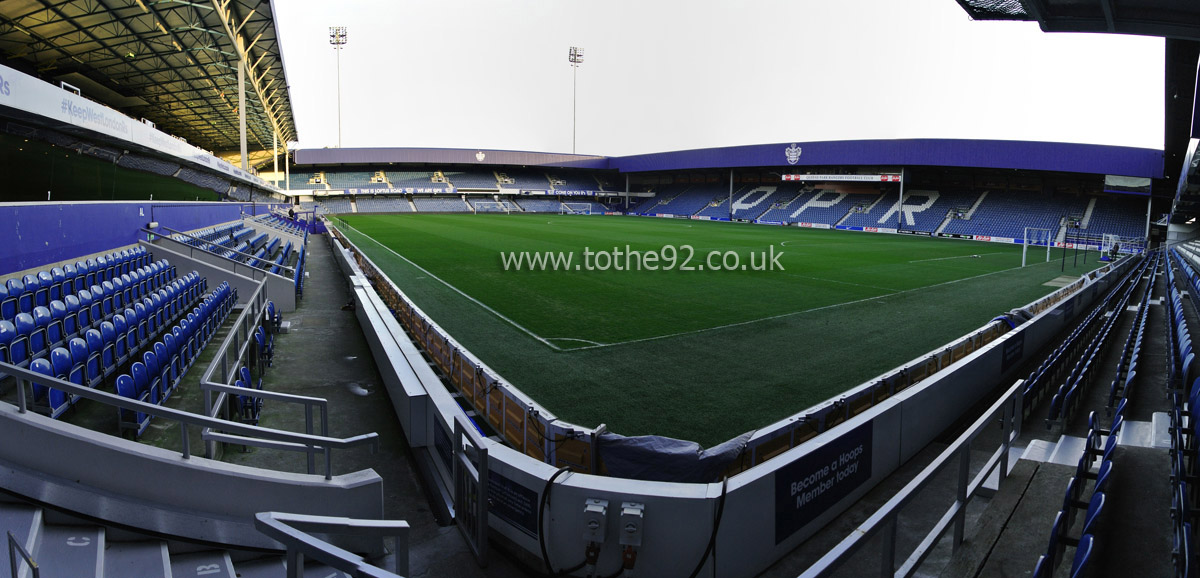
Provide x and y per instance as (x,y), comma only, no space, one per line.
(680,74)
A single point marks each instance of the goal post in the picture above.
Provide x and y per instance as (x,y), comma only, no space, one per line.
(492,207)
(1036,237)
(576,209)
(1109,244)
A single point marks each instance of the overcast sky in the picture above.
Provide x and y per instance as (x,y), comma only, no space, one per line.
(680,74)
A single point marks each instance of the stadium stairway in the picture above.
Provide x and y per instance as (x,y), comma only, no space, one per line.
(1095,472)
(66,547)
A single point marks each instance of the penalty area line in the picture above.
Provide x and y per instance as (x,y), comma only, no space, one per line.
(482,305)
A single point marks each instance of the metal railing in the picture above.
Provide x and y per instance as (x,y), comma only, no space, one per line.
(470,486)
(15,548)
(292,530)
(885,520)
(215,250)
(317,443)
(229,358)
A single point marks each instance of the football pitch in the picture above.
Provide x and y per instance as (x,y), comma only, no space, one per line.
(749,324)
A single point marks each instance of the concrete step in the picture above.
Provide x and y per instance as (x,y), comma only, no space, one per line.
(323,571)
(264,568)
(71,552)
(212,564)
(25,522)
(149,559)
(1068,450)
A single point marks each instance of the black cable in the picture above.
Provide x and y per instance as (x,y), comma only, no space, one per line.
(712,539)
(542,526)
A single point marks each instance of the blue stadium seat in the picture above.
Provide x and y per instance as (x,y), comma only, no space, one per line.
(52,402)
(141,379)
(8,305)
(1083,553)
(37,339)
(249,408)
(33,288)
(15,344)
(166,361)
(66,320)
(104,351)
(47,290)
(115,338)
(16,290)
(58,278)
(1095,507)
(70,272)
(44,321)
(65,368)
(86,309)
(128,420)
(154,375)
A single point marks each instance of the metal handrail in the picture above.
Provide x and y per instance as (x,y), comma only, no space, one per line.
(184,418)
(14,548)
(292,530)
(170,236)
(885,519)
(240,338)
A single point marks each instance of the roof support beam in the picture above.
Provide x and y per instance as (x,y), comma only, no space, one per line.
(1108,15)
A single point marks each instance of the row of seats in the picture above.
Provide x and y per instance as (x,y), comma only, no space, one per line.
(160,369)
(1054,368)
(33,335)
(1127,365)
(248,408)
(92,358)
(39,289)
(1085,495)
(1078,522)
(1065,400)
(1185,396)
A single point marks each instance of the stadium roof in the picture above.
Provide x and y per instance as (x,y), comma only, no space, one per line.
(1167,18)
(1022,155)
(172,62)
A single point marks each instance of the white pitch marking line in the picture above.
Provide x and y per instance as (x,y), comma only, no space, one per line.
(845,283)
(574,339)
(460,292)
(958,257)
(782,315)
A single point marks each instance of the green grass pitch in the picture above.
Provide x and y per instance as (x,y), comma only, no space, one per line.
(701,355)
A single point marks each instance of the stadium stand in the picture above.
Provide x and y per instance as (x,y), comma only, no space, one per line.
(148,164)
(1008,213)
(383,205)
(1117,215)
(523,179)
(539,205)
(692,200)
(573,182)
(204,179)
(349,179)
(472,179)
(823,205)
(336,204)
(922,210)
(440,205)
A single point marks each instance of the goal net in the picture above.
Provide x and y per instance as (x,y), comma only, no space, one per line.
(576,209)
(492,207)
(1109,246)
(1036,238)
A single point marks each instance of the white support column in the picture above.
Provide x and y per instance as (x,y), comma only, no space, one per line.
(287,173)
(900,205)
(275,158)
(731,195)
(241,66)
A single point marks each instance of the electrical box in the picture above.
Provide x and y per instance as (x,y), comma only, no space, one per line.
(594,513)
(631,523)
